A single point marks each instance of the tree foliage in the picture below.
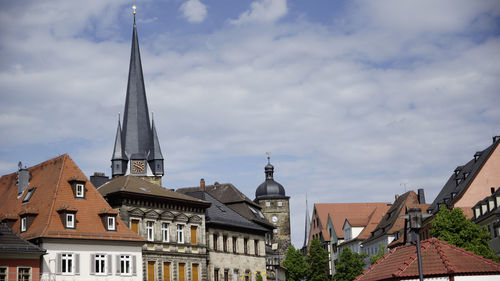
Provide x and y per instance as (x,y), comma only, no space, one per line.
(453,227)
(295,264)
(381,252)
(349,266)
(318,262)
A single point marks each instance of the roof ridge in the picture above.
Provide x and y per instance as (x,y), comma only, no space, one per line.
(442,256)
(407,262)
(464,251)
(54,196)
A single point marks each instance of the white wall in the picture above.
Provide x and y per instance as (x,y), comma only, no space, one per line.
(463,278)
(85,249)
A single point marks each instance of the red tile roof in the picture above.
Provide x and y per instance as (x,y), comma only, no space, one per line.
(53,193)
(339,212)
(438,259)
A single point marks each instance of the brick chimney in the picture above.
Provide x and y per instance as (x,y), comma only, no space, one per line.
(202,184)
(23,179)
(421,196)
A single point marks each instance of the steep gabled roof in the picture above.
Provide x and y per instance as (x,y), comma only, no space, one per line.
(135,185)
(12,243)
(438,259)
(460,180)
(392,221)
(221,215)
(339,212)
(53,192)
(231,196)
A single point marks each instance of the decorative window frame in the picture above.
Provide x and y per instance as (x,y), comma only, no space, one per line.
(6,271)
(165,231)
(111,223)
(67,223)
(181,231)
(152,238)
(24,224)
(24,267)
(79,190)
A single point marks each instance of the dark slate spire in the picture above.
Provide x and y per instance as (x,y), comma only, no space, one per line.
(307,225)
(119,159)
(118,153)
(136,125)
(155,157)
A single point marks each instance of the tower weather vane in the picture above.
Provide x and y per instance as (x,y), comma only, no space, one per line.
(134,7)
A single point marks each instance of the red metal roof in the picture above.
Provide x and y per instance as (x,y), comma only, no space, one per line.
(438,259)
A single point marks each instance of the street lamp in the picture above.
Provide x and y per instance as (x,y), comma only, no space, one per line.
(415,217)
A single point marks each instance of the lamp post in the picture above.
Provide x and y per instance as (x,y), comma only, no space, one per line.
(415,217)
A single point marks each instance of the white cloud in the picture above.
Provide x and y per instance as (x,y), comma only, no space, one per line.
(263,11)
(194,11)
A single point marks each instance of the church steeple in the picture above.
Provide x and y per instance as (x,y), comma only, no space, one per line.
(137,148)
(136,124)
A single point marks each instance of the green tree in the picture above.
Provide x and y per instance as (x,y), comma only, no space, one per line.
(295,264)
(259,277)
(381,252)
(318,262)
(349,266)
(453,227)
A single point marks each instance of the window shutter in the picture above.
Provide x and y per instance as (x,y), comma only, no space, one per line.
(109,262)
(77,264)
(118,267)
(134,270)
(92,264)
(58,264)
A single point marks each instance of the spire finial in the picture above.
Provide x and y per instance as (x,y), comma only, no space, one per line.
(268,157)
(118,116)
(134,7)
(152,115)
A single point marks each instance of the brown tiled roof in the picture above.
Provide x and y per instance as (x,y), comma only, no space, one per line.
(133,184)
(339,212)
(391,221)
(53,192)
(438,259)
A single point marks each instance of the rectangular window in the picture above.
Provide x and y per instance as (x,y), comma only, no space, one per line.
(80,191)
(100,264)
(66,263)
(195,272)
(234,244)
(215,242)
(256,247)
(151,271)
(28,195)
(268,204)
(180,233)
(70,220)
(134,225)
(245,246)
(216,274)
(280,204)
(226,274)
(3,273)
(166,271)
(23,224)
(111,223)
(224,243)
(24,273)
(125,265)
(182,272)
(164,232)
(150,230)
(235,275)
(194,230)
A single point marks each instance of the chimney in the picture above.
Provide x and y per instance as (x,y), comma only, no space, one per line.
(492,190)
(23,179)
(98,179)
(396,197)
(202,184)
(421,196)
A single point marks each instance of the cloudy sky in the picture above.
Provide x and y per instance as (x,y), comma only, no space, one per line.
(356,100)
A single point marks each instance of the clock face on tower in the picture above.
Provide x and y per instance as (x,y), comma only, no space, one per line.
(138,167)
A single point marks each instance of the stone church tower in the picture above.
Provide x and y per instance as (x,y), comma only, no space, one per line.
(137,149)
(270,195)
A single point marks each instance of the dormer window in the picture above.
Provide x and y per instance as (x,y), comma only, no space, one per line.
(70,220)
(111,223)
(477,212)
(79,190)
(23,224)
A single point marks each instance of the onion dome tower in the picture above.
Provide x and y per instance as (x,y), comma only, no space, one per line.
(137,149)
(271,196)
